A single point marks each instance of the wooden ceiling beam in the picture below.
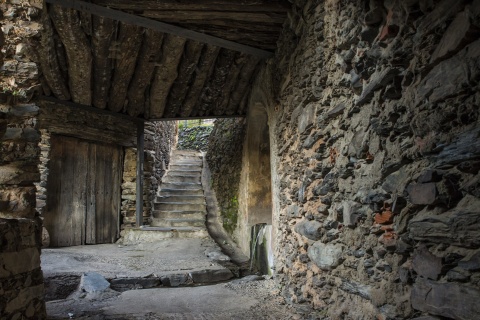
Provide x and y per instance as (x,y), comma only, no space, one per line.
(199,117)
(159,26)
(83,107)
(206,5)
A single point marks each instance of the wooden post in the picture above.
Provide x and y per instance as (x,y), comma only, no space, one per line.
(140,160)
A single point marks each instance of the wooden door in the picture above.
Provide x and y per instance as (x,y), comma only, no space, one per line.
(83,192)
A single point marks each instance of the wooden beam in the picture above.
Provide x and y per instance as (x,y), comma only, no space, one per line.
(159,26)
(139,180)
(79,55)
(213,88)
(92,109)
(204,70)
(102,63)
(217,16)
(129,43)
(241,88)
(49,61)
(147,58)
(165,74)
(200,117)
(220,106)
(207,5)
(180,87)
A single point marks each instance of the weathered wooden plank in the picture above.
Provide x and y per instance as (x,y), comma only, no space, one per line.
(65,219)
(90,109)
(242,86)
(165,74)
(128,46)
(200,117)
(147,58)
(159,26)
(90,223)
(86,23)
(187,66)
(117,169)
(219,106)
(77,47)
(139,177)
(49,62)
(266,39)
(61,55)
(214,86)
(221,5)
(53,186)
(101,189)
(214,17)
(202,73)
(102,63)
(79,153)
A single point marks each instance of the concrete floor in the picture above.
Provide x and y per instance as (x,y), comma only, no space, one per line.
(237,299)
(167,256)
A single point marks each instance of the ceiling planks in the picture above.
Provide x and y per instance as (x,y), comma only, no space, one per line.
(147,59)
(204,70)
(166,73)
(77,47)
(131,69)
(187,66)
(49,61)
(125,52)
(137,20)
(102,62)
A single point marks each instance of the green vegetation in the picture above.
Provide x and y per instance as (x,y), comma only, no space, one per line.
(194,123)
(230,215)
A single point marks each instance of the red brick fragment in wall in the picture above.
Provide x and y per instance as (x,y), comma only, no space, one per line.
(384,217)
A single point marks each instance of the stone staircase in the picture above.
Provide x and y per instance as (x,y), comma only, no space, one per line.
(180,202)
(179,208)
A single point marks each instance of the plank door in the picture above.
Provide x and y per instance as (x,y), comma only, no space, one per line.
(83,192)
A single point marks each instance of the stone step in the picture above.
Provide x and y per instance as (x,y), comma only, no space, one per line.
(177,223)
(181,179)
(176,214)
(184,173)
(187,167)
(179,206)
(186,152)
(180,186)
(180,199)
(180,192)
(154,234)
(187,164)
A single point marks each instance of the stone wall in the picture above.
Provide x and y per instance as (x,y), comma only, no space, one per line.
(21,280)
(194,138)
(160,139)
(224,158)
(373,116)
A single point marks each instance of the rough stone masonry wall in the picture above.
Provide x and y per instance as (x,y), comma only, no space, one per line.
(376,157)
(21,279)
(224,158)
(160,139)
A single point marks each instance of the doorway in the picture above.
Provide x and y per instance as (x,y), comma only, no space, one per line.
(83,192)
